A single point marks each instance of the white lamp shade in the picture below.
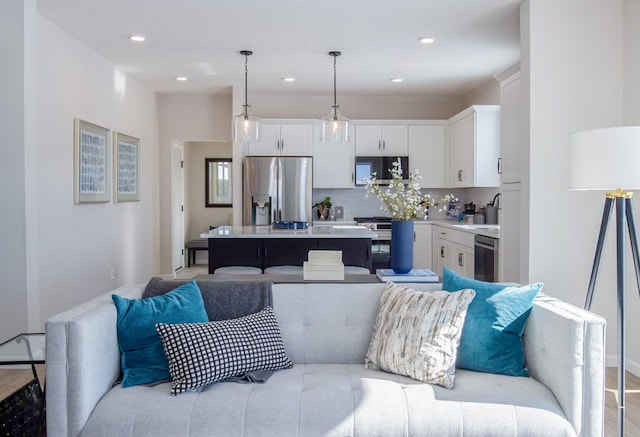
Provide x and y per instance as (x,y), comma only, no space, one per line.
(605,159)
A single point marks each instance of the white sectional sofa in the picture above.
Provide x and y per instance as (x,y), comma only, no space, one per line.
(326,330)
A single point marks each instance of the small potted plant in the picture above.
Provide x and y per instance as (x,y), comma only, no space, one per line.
(323,208)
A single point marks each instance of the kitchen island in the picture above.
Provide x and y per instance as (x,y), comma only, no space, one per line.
(263,246)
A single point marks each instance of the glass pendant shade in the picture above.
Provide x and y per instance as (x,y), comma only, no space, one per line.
(335,127)
(246,126)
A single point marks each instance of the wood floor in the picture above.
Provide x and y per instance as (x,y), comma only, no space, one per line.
(11,380)
(632,405)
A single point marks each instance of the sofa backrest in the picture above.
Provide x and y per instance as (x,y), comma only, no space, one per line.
(329,324)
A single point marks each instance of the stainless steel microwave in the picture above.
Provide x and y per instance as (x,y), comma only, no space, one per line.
(381,166)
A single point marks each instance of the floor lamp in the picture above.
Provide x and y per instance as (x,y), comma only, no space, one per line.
(609,160)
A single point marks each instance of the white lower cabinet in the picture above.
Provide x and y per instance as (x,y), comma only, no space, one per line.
(422,246)
(454,250)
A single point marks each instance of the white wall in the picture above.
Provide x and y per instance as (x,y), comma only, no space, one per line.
(572,74)
(15,125)
(488,94)
(197,216)
(78,245)
(356,107)
(186,117)
(632,117)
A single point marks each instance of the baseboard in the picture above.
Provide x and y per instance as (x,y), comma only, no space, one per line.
(631,366)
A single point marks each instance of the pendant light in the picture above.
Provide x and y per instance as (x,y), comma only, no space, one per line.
(335,127)
(246,127)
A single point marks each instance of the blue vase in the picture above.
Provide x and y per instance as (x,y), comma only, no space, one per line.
(402,246)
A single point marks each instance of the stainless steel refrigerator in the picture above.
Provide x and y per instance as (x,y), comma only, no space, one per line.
(276,189)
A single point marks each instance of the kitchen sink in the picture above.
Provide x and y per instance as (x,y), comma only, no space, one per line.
(473,226)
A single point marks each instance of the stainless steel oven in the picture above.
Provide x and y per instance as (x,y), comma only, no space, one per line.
(380,246)
(486,258)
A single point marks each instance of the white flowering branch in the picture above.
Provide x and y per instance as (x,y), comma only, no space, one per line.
(404,202)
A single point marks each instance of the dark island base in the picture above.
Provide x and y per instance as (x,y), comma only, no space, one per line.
(290,279)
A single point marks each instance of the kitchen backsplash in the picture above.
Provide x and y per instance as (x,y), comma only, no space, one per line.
(357,204)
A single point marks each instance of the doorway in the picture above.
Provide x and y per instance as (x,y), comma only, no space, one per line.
(177,206)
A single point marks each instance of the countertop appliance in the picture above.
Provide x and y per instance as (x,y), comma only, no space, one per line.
(276,189)
(381,166)
(486,258)
(380,246)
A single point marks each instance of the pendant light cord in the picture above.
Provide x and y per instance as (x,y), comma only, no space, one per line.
(335,98)
(246,54)
(246,75)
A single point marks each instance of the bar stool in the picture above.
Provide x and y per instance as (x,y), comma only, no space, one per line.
(238,270)
(283,270)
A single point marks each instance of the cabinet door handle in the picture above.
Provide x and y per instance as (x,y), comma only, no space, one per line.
(380,145)
(259,251)
(441,251)
(460,176)
(499,165)
(461,259)
(384,145)
(414,236)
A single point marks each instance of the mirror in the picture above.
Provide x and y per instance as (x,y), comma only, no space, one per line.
(218,182)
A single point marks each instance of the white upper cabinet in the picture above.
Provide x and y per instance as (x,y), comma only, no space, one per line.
(474,147)
(382,140)
(512,132)
(333,163)
(427,154)
(283,138)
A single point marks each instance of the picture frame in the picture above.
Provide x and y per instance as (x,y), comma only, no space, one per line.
(92,161)
(126,168)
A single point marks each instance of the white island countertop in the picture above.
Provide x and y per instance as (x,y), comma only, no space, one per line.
(335,231)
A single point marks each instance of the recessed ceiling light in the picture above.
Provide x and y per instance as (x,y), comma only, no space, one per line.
(181,78)
(426,40)
(397,80)
(137,38)
(289,79)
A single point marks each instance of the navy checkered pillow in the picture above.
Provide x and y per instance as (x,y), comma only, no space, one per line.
(203,353)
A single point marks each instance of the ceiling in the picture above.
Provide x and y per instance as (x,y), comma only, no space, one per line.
(201,39)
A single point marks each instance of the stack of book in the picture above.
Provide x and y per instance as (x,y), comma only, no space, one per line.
(415,275)
(323,265)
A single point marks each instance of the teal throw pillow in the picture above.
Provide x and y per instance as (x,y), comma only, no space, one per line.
(492,335)
(143,359)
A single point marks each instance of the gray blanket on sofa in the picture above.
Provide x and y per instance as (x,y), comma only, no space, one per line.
(223,299)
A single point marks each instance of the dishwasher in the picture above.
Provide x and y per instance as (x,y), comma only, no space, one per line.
(485,258)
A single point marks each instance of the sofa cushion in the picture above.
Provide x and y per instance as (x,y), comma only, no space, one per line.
(203,353)
(142,357)
(492,336)
(336,400)
(416,333)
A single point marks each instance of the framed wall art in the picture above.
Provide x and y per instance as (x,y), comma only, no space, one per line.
(92,159)
(126,175)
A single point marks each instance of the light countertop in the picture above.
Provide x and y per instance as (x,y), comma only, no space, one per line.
(337,230)
(492,231)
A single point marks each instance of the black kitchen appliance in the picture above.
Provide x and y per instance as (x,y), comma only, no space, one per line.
(381,166)
(381,245)
(486,258)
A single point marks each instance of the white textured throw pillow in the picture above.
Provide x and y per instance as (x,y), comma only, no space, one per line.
(417,333)
(203,353)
